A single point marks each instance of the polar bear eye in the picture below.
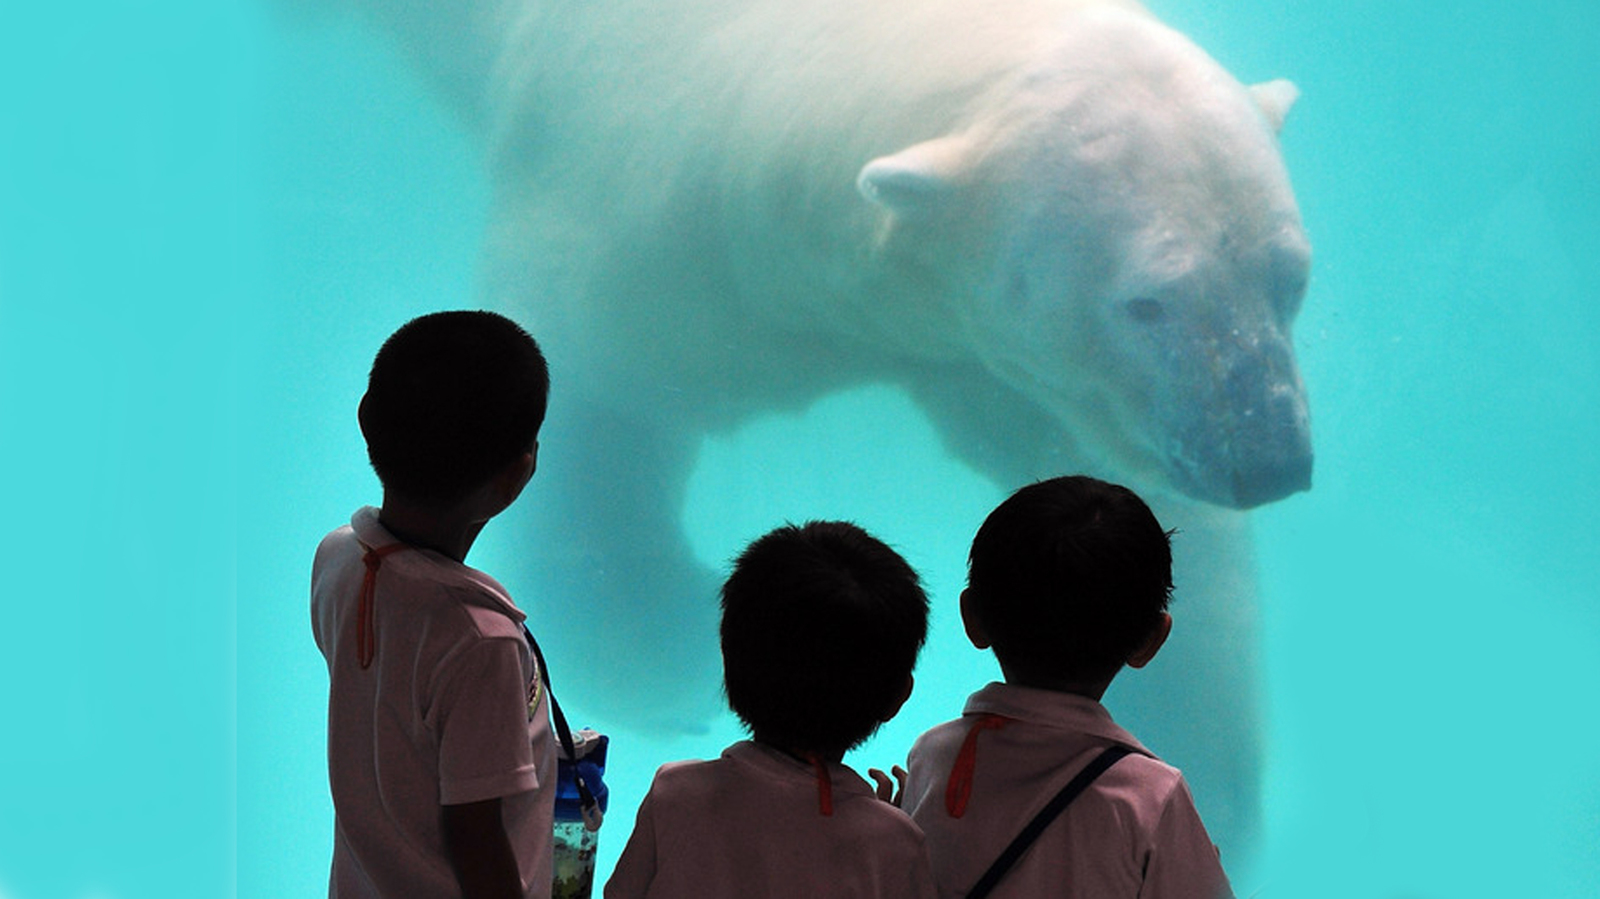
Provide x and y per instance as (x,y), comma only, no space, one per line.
(1146,310)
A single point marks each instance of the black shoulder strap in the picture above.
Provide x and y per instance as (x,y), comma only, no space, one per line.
(1042,820)
(563,733)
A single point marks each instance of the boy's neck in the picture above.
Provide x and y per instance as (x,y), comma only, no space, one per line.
(801,755)
(1093,691)
(448,533)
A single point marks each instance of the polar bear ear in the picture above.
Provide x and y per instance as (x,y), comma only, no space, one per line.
(1275,98)
(917,180)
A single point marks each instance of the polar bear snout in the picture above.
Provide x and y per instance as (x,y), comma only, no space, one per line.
(1273,436)
(1244,441)
(1284,471)
(1267,463)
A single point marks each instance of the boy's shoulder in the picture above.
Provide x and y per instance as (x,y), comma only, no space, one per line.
(1037,728)
(1002,705)
(744,760)
(424,586)
(747,767)
(757,785)
(442,592)
(719,784)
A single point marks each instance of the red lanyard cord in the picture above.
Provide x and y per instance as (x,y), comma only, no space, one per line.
(959,789)
(366,630)
(824,784)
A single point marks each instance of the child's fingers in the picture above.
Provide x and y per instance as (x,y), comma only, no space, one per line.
(887,790)
(884,787)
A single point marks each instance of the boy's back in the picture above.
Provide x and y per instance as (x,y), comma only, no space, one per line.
(748,823)
(1134,832)
(448,648)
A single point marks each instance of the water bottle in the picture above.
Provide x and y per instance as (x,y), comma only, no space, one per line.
(577,831)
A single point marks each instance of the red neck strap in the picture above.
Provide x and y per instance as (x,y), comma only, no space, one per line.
(366,632)
(824,784)
(959,789)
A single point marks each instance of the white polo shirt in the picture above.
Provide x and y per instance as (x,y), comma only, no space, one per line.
(1133,833)
(449,710)
(751,823)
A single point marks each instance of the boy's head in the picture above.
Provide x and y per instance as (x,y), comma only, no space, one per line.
(1069,580)
(453,398)
(821,626)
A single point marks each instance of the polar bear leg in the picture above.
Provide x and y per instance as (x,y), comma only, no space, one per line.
(614,575)
(1198,705)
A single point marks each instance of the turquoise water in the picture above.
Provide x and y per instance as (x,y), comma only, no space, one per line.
(210,217)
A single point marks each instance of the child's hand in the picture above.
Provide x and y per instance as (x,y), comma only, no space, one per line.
(891,793)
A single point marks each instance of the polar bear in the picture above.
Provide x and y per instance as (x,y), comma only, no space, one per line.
(1058,225)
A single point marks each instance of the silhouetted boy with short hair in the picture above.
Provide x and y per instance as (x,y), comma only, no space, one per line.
(1068,581)
(440,756)
(821,627)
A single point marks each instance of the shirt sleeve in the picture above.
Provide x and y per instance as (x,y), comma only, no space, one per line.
(482,712)
(921,879)
(1183,862)
(636,866)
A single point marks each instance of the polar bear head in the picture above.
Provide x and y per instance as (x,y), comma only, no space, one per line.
(1116,228)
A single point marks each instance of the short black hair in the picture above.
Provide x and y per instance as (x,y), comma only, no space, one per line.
(821,627)
(1068,577)
(453,397)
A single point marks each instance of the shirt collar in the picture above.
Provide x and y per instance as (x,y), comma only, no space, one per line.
(783,765)
(1050,708)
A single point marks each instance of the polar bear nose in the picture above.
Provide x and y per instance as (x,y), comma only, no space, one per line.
(1245,435)
(1251,461)
(1274,480)
(1272,435)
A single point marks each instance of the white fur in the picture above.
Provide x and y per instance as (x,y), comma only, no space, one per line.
(1059,224)
(1083,151)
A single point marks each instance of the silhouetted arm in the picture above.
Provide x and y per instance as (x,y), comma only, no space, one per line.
(480,852)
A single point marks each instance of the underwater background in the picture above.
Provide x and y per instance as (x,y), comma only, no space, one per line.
(211,215)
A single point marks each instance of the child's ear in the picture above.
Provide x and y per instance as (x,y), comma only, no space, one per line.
(1152,645)
(522,470)
(969,620)
(894,707)
(516,475)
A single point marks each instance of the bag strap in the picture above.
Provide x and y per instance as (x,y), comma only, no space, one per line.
(592,815)
(1053,808)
